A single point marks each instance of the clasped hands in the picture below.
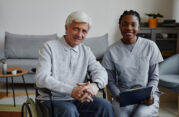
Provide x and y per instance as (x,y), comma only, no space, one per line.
(84,92)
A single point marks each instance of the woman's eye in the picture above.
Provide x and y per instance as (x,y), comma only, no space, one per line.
(134,25)
(124,24)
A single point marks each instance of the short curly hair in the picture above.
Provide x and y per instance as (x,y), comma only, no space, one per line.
(130,12)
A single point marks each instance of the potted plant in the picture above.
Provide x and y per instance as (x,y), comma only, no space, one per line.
(3,60)
(4,65)
(153,21)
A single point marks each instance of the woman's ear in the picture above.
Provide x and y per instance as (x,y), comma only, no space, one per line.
(139,26)
(119,27)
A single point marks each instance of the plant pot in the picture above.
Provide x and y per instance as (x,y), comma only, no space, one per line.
(4,68)
(152,22)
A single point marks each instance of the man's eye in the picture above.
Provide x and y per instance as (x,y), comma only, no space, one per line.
(84,32)
(75,29)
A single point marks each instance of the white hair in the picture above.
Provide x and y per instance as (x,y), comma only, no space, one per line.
(78,16)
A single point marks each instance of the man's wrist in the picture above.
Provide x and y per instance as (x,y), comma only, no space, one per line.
(97,84)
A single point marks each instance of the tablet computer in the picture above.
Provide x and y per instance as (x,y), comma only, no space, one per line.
(134,96)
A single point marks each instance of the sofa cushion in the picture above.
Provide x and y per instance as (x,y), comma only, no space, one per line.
(98,45)
(24,46)
(27,64)
(2,53)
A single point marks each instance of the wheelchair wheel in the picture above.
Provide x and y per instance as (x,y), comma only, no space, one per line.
(29,109)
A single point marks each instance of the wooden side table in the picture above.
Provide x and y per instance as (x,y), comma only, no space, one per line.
(20,72)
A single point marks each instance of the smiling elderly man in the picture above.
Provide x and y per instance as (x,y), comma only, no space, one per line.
(62,68)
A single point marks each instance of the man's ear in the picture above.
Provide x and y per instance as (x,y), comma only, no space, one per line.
(66,28)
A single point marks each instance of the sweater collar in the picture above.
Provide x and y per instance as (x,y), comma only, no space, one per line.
(68,47)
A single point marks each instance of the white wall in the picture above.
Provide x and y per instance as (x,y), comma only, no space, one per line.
(175,10)
(48,16)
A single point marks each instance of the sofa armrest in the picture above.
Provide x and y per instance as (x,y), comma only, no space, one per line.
(2,53)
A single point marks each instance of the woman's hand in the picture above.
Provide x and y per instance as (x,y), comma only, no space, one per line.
(148,101)
(118,98)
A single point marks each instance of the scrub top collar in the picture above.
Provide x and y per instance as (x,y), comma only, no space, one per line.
(135,45)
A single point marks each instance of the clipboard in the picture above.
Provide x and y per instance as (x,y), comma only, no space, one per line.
(134,96)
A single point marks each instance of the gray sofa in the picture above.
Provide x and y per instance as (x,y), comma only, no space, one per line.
(22,50)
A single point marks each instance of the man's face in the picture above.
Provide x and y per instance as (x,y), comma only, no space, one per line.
(76,33)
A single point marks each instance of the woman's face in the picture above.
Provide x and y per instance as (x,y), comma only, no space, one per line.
(129,27)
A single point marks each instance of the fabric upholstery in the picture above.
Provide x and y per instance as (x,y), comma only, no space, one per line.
(2,53)
(24,46)
(170,80)
(98,45)
(169,73)
(170,65)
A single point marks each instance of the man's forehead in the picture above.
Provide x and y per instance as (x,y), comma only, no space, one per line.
(76,22)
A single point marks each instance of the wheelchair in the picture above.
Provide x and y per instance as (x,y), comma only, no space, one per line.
(38,109)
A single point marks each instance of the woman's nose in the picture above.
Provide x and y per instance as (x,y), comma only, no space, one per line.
(129,27)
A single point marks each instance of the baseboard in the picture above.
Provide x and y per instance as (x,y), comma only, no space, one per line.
(10,114)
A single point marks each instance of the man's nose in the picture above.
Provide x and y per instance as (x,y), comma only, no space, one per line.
(80,33)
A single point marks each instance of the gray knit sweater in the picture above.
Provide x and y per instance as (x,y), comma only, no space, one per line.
(61,67)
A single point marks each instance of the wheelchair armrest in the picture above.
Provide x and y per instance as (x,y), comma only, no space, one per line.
(49,92)
(45,90)
(104,93)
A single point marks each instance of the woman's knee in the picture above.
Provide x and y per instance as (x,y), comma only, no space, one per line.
(146,112)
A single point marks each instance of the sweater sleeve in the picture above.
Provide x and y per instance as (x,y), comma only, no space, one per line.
(44,77)
(97,71)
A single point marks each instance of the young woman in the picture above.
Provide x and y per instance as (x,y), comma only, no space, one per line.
(132,62)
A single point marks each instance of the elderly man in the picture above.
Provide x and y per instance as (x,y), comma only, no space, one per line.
(62,68)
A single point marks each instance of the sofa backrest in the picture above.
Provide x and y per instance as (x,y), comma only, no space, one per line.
(98,45)
(24,46)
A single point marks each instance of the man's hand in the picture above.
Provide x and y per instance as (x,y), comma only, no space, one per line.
(90,88)
(148,101)
(77,92)
(85,91)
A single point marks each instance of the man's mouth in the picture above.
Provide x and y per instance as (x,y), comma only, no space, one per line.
(78,39)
